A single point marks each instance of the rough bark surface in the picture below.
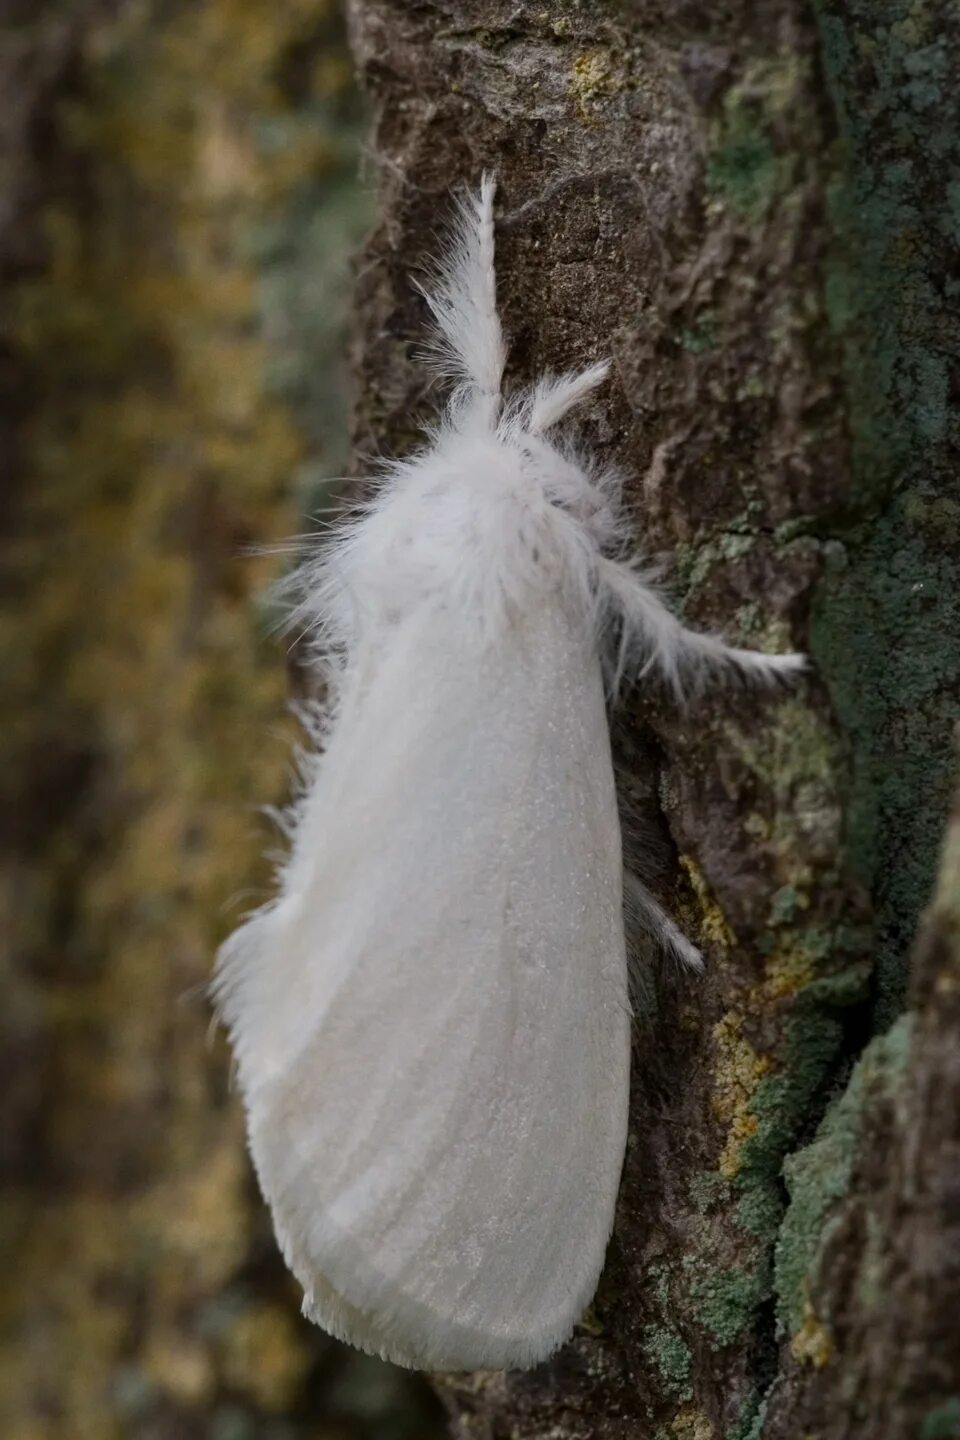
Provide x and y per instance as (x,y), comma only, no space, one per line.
(177,198)
(744,206)
(753,208)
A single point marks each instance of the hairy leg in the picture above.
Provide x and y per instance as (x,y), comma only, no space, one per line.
(681,656)
(645,914)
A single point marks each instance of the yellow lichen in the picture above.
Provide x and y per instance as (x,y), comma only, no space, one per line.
(738,1071)
(155,454)
(788,970)
(812,1344)
(713,923)
(691,1424)
(592,76)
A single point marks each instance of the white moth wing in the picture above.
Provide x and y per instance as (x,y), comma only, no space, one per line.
(431,1025)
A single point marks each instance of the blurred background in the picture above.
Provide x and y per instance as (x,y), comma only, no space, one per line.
(181,193)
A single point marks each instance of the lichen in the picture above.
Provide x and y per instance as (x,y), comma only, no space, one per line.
(727,1298)
(712,922)
(692,564)
(778,1105)
(700,337)
(884,634)
(671,1355)
(595,73)
(943,1421)
(690,1424)
(749,1419)
(161,442)
(818,1176)
(707,1189)
(658,1275)
(759,1209)
(761,1092)
(812,1344)
(886,630)
(744,168)
(737,1073)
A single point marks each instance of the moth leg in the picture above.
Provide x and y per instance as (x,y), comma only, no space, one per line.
(644,913)
(670,648)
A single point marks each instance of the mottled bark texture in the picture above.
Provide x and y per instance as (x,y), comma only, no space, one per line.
(750,208)
(177,200)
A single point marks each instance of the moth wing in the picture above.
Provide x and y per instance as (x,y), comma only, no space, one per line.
(432,1025)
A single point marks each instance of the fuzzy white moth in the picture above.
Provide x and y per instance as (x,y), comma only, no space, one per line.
(430,1022)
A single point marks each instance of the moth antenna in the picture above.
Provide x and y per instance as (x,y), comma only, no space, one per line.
(555,395)
(462,296)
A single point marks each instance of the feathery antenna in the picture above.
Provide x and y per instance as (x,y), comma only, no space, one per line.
(554,395)
(462,296)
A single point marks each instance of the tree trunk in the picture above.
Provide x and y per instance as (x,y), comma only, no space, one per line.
(748,208)
(177,197)
(753,208)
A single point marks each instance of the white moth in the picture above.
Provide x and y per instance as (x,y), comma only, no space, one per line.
(430,1022)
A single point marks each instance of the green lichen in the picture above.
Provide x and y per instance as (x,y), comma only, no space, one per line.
(738,1071)
(819,1175)
(799,748)
(692,564)
(744,168)
(700,337)
(885,634)
(750,1417)
(760,1209)
(814,1040)
(727,1298)
(785,904)
(762,1097)
(671,1355)
(779,1099)
(708,1189)
(943,1422)
(658,1278)
(887,623)
(811,973)
(800,760)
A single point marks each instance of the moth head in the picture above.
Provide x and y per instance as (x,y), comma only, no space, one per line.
(567,476)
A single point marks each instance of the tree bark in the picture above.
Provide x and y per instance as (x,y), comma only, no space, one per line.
(177,198)
(752,207)
(746,207)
